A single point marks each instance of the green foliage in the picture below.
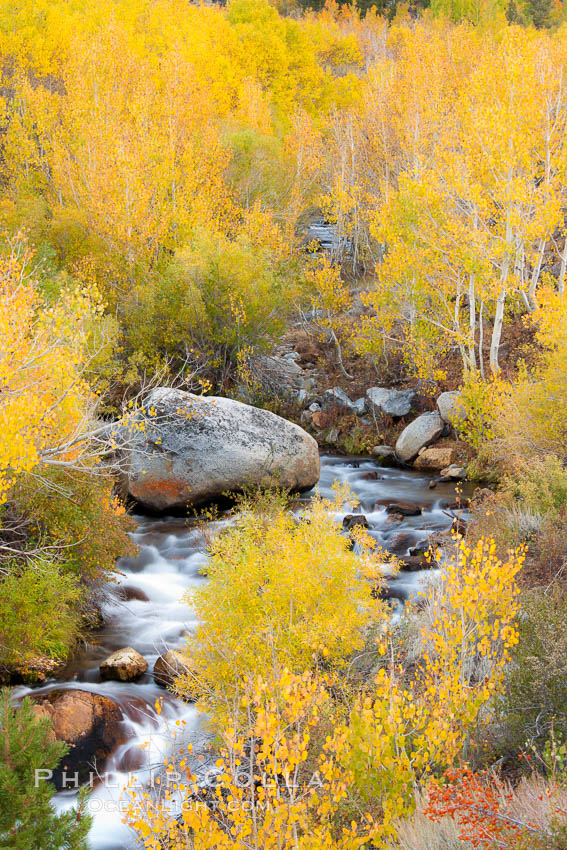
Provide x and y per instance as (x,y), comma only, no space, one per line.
(538,484)
(37,612)
(71,532)
(78,514)
(536,688)
(27,819)
(213,300)
(529,509)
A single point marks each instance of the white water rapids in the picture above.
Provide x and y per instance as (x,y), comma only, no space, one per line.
(167,566)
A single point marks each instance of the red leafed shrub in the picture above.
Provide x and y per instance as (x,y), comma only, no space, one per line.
(480,804)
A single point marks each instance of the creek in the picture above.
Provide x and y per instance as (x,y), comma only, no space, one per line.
(171,556)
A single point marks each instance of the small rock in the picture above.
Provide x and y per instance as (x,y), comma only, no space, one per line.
(337,398)
(383,451)
(404,508)
(314,407)
(432,484)
(414,563)
(396,403)
(435,458)
(124,665)
(127,593)
(371,476)
(384,454)
(359,406)
(394,518)
(352,520)
(168,667)
(399,542)
(453,473)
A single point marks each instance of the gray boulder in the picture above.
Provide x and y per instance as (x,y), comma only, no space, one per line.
(453,473)
(384,453)
(420,433)
(359,406)
(337,398)
(450,409)
(187,450)
(396,403)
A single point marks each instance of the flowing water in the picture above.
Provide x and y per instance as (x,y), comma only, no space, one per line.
(171,555)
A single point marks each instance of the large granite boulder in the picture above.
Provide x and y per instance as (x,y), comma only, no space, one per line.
(420,433)
(124,665)
(90,723)
(396,403)
(187,450)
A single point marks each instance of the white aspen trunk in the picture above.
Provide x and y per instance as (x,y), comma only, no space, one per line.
(497,331)
(481,339)
(563,269)
(535,275)
(501,299)
(472,324)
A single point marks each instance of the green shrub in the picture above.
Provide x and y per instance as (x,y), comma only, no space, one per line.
(535,699)
(68,531)
(78,513)
(529,509)
(213,300)
(539,484)
(27,819)
(38,612)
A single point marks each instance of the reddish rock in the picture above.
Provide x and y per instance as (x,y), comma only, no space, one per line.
(394,518)
(413,563)
(404,508)
(400,541)
(90,723)
(127,593)
(435,458)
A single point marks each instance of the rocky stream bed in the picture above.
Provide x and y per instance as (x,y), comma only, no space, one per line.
(145,611)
